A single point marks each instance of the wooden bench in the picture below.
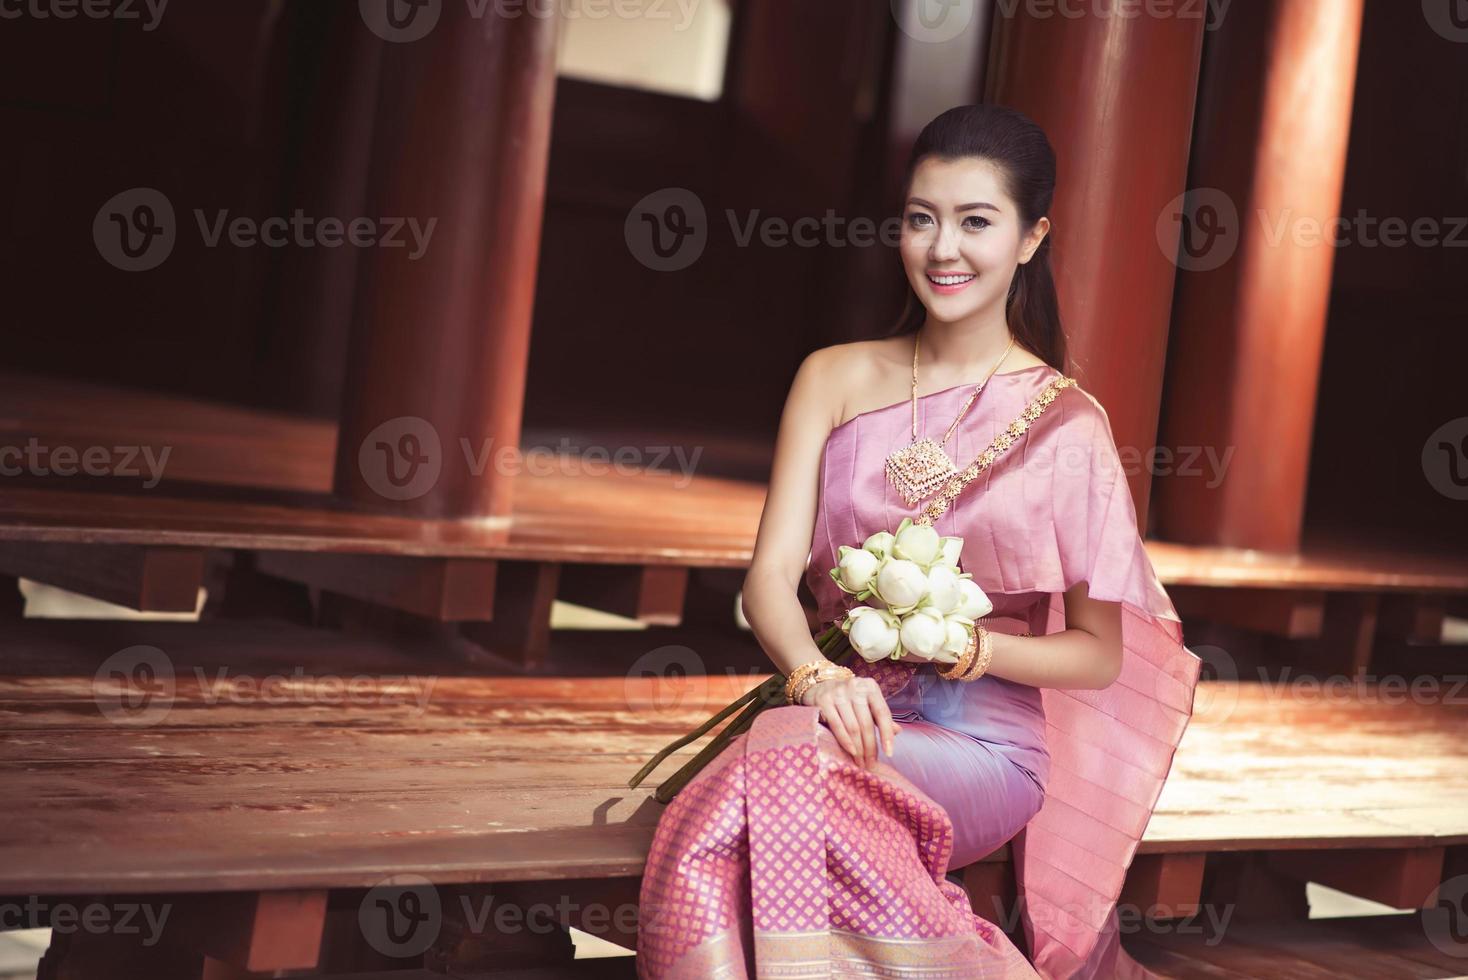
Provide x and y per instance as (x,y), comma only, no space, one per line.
(249,491)
(1384,947)
(270,814)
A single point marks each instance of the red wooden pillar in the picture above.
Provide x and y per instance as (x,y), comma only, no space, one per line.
(1255,286)
(1114,90)
(436,375)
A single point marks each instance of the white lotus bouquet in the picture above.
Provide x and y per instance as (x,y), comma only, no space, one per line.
(924,604)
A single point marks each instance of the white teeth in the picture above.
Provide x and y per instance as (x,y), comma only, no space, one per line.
(950,280)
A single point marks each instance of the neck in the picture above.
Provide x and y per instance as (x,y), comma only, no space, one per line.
(964,347)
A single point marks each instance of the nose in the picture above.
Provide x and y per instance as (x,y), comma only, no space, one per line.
(945,244)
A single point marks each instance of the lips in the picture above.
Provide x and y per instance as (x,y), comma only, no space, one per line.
(946,283)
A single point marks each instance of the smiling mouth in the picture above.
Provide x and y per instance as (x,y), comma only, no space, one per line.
(956,279)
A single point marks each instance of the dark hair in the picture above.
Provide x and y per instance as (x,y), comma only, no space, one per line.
(1013,142)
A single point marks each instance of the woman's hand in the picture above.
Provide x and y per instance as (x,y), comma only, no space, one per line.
(854,709)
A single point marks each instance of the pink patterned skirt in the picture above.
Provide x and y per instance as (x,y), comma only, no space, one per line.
(785,858)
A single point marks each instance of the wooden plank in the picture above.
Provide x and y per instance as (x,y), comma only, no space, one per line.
(12,603)
(1290,613)
(151,578)
(1382,947)
(1349,635)
(1400,877)
(1414,619)
(653,517)
(991,886)
(652,594)
(1165,885)
(291,758)
(521,638)
(440,589)
(255,932)
(648,518)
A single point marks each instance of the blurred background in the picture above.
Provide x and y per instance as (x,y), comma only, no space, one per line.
(448,339)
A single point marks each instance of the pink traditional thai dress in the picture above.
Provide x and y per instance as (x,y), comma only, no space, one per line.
(785,858)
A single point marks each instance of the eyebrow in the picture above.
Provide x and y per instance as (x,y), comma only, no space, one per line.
(962,207)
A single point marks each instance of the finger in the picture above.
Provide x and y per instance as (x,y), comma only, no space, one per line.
(884,720)
(831,708)
(849,716)
(862,715)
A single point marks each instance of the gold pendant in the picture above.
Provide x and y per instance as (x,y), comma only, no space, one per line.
(918,470)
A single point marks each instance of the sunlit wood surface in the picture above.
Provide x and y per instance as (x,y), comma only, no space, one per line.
(242,478)
(355,764)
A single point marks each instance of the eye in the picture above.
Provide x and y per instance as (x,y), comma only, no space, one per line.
(918,219)
(981,222)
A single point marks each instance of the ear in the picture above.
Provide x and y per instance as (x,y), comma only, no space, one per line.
(1032,242)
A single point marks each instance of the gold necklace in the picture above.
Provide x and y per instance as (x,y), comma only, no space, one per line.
(918,469)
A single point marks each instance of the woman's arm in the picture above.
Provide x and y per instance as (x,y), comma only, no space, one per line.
(853,709)
(1086,654)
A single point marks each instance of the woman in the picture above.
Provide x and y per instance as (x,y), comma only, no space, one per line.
(818,843)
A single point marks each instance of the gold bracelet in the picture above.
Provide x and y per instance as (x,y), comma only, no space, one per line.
(965,660)
(796,675)
(985,656)
(812,679)
(981,661)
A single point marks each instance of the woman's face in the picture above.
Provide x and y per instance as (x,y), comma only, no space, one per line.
(961,237)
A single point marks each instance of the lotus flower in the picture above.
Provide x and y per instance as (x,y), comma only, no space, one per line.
(879,544)
(944,593)
(901,583)
(975,604)
(857,568)
(924,633)
(873,632)
(958,637)
(916,542)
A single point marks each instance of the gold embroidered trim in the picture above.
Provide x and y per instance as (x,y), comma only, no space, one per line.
(997,448)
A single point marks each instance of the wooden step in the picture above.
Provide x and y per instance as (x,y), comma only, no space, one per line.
(1374,947)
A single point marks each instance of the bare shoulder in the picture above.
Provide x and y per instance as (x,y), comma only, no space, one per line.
(859,360)
(860,365)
